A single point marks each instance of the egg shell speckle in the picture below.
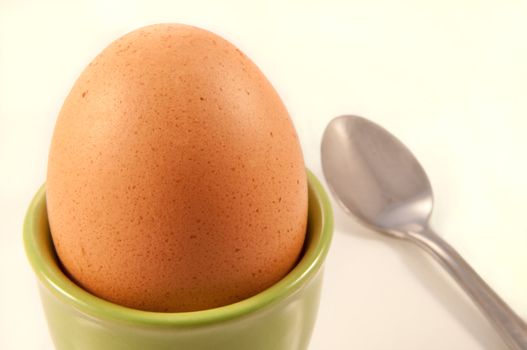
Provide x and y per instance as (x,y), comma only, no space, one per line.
(175,179)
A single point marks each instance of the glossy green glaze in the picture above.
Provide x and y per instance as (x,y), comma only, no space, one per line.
(279,318)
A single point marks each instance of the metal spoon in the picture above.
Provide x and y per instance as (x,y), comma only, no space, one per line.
(378,180)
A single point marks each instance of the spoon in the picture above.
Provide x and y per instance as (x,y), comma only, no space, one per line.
(376,178)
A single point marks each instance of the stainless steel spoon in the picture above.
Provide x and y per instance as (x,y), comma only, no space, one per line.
(378,180)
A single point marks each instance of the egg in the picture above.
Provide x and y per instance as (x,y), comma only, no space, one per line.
(175,177)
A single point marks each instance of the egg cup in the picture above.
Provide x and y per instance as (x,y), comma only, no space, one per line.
(281,317)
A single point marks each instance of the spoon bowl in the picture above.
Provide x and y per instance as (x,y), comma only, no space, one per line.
(374,176)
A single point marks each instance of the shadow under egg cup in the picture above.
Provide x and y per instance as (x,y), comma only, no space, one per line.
(281,317)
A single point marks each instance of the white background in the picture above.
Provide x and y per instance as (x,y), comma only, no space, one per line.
(449,78)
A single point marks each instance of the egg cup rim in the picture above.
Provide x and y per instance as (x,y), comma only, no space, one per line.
(44,261)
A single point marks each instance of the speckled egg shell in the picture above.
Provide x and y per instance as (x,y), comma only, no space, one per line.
(175,180)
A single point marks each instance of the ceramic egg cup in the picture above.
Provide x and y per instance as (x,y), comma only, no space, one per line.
(281,317)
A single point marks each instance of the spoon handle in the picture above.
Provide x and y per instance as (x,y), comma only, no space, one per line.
(510,326)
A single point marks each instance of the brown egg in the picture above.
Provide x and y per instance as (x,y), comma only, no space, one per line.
(176,180)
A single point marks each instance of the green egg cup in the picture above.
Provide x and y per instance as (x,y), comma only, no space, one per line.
(281,317)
